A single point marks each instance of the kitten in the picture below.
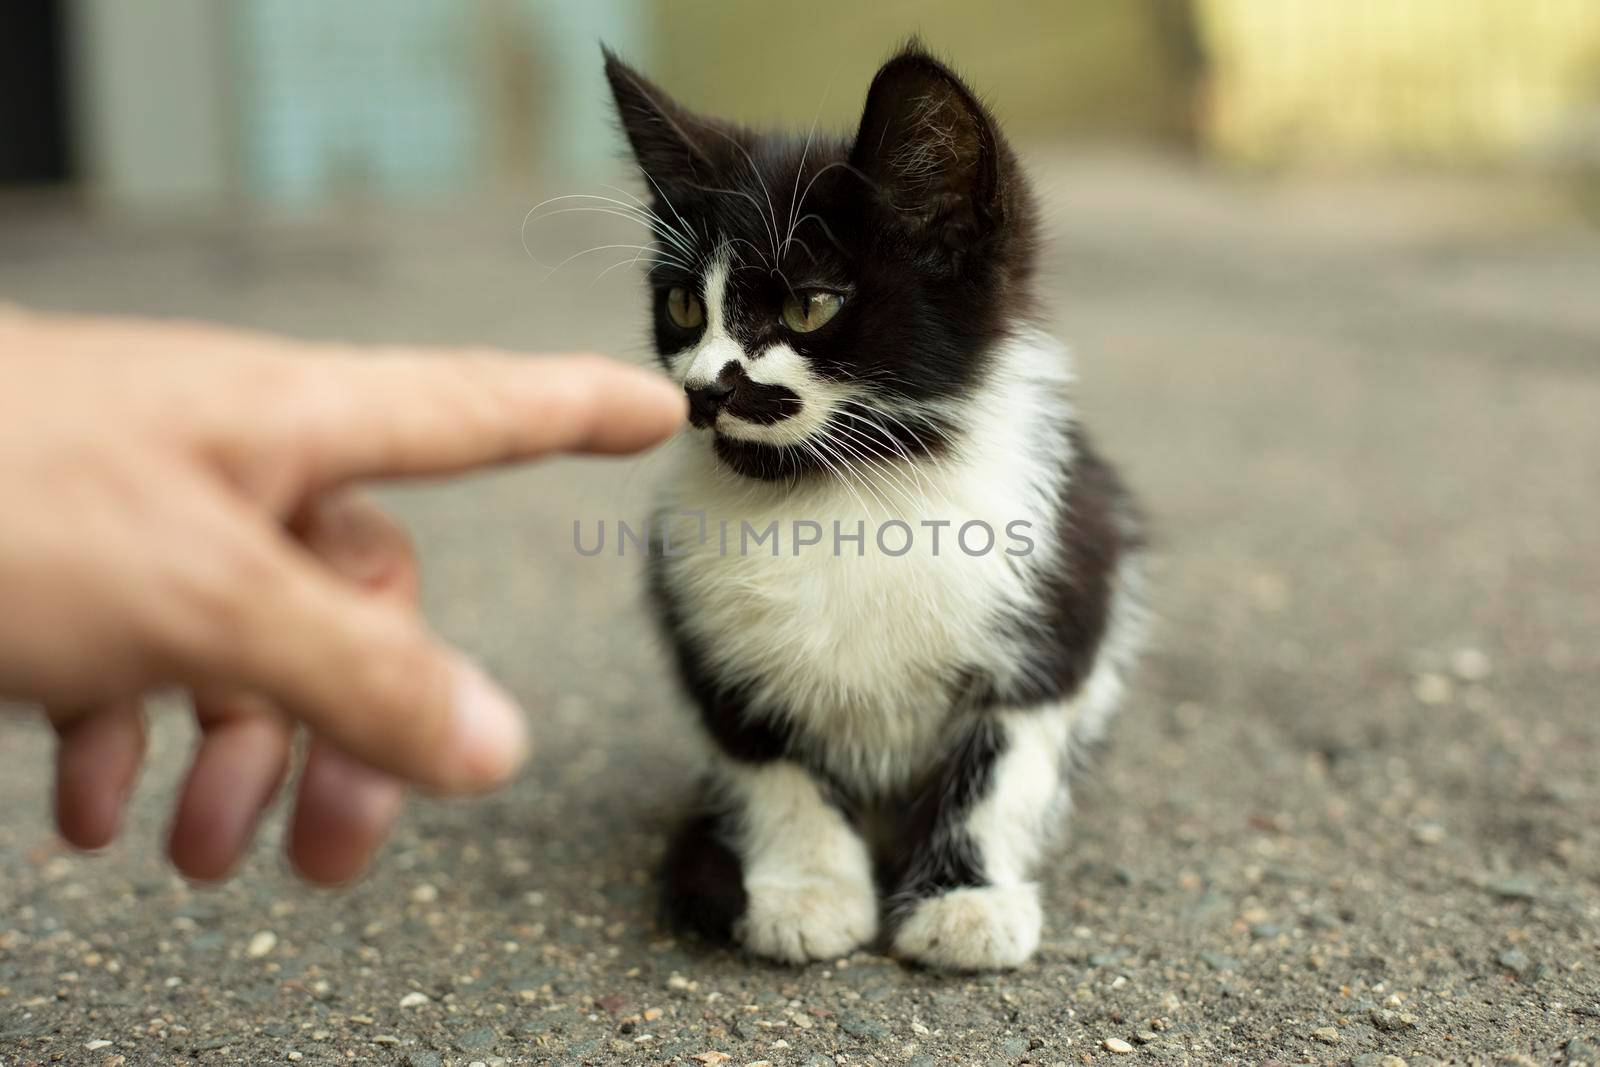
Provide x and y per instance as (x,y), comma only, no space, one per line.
(891,705)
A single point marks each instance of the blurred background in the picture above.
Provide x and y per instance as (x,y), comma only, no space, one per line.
(342,152)
(1332,273)
(296,102)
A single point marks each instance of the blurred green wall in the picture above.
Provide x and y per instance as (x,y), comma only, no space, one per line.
(1049,67)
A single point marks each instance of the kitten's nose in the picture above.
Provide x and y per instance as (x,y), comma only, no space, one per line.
(705,400)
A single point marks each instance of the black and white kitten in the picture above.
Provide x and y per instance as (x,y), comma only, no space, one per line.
(893,701)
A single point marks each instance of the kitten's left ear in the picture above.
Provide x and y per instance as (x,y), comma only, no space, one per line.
(666,137)
(931,150)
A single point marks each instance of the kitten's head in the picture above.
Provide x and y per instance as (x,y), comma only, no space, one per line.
(829,301)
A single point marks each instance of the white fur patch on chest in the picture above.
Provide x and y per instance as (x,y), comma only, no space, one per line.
(863,649)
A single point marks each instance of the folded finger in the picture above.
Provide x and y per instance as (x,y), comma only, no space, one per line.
(97,762)
(238,767)
(355,668)
(360,542)
(345,809)
(343,812)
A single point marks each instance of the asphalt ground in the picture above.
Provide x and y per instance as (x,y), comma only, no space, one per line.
(1351,812)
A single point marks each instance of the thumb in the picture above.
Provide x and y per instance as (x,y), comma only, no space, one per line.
(365,674)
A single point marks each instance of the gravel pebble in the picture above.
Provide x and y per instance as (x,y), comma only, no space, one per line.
(862,1027)
(480,1040)
(1326,1034)
(261,944)
(1583,1050)
(1471,664)
(1392,1021)
(415,999)
(1513,887)
(1515,960)
(1433,689)
(1117,1045)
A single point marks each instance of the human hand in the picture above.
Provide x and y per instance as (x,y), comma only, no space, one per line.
(179,513)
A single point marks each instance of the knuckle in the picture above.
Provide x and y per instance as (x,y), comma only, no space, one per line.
(210,603)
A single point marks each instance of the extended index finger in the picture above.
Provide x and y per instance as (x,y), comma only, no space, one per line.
(417,414)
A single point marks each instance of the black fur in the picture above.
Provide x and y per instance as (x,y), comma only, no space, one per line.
(724,711)
(932,853)
(757,402)
(923,222)
(702,878)
(1097,527)
(934,252)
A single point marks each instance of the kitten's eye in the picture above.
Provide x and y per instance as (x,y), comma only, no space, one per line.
(684,309)
(810,309)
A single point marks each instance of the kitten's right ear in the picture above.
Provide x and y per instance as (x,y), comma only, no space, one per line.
(931,150)
(665,136)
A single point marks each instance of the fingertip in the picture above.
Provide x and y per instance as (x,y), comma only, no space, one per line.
(87,818)
(343,813)
(664,394)
(237,770)
(97,763)
(629,408)
(488,733)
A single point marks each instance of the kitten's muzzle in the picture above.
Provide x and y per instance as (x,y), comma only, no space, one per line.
(737,394)
(706,400)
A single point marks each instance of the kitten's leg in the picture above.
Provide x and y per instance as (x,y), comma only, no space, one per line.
(965,899)
(704,881)
(779,866)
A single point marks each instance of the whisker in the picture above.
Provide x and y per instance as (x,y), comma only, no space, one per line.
(662,193)
(830,446)
(929,424)
(624,212)
(753,203)
(907,493)
(628,263)
(682,240)
(833,471)
(794,204)
(772,211)
(598,248)
(831,166)
(826,229)
(913,465)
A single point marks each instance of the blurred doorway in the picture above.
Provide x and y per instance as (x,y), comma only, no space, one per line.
(34,116)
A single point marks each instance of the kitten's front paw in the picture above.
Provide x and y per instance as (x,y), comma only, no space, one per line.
(977,929)
(805,919)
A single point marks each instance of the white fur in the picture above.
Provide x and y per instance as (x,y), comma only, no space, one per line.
(1127,631)
(776,365)
(782,365)
(1013,822)
(702,362)
(806,872)
(983,928)
(859,647)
